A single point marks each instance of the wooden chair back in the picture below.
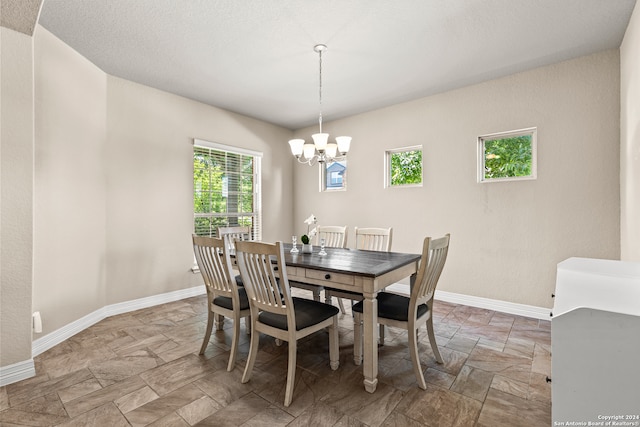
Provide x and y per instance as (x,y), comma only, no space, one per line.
(374,239)
(235,233)
(260,263)
(334,236)
(434,255)
(214,264)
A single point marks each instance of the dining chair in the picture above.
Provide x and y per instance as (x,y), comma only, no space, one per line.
(235,233)
(275,312)
(335,236)
(410,312)
(224,297)
(372,239)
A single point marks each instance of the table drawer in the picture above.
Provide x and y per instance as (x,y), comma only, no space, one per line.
(345,279)
(291,271)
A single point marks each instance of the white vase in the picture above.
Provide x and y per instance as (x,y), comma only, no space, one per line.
(307,248)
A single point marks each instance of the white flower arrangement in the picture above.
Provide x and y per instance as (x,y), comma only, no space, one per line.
(312,220)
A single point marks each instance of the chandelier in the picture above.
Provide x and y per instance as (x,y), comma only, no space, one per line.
(321,150)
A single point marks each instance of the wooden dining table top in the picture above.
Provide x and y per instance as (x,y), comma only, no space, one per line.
(351,261)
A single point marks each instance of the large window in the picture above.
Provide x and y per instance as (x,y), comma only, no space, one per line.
(507,156)
(226,189)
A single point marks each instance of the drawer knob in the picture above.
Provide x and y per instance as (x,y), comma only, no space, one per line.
(327,276)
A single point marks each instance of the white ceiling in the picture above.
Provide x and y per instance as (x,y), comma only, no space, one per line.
(256,57)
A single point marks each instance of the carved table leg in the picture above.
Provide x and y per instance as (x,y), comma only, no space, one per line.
(370,350)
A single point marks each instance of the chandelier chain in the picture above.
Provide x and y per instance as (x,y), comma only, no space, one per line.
(320,92)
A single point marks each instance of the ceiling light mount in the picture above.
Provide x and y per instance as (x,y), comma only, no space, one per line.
(321,150)
(320,48)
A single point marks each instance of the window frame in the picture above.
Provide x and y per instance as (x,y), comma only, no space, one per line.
(256,193)
(387,166)
(481,157)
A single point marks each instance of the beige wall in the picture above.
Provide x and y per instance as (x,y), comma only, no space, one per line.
(150,187)
(630,140)
(113,192)
(16,196)
(507,237)
(70,179)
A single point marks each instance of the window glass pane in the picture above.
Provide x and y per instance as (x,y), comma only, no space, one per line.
(403,167)
(333,176)
(223,191)
(507,156)
(406,167)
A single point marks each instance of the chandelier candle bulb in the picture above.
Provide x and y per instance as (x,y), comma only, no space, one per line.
(309,151)
(296,146)
(320,141)
(344,143)
(332,149)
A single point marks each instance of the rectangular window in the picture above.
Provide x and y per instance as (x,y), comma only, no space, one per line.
(226,189)
(333,176)
(403,167)
(507,156)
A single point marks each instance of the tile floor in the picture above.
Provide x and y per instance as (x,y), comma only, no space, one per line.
(143,368)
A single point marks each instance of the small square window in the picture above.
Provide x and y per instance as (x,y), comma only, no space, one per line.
(333,176)
(507,156)
(403,167)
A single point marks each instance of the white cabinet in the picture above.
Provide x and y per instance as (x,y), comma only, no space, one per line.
(595,342)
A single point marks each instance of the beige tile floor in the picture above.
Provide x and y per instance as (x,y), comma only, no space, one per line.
(143,368)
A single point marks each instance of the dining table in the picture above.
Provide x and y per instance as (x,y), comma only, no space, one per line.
(361,271)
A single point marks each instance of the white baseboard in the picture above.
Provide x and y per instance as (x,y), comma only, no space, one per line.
(17,372)
(54,338)
(26,369)
(489,304)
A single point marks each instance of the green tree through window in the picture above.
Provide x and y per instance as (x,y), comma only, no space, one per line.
(509,156)
(404,166)
(223,190)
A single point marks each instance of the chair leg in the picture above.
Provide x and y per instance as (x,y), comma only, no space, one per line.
(247,324)
(207,334)
(235,337)
(341,305)
(415,359)
(219,322)
(381,334)
(432,340)
(334,345)
(316,294)
(357,339)
(253,352)
(291,371)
